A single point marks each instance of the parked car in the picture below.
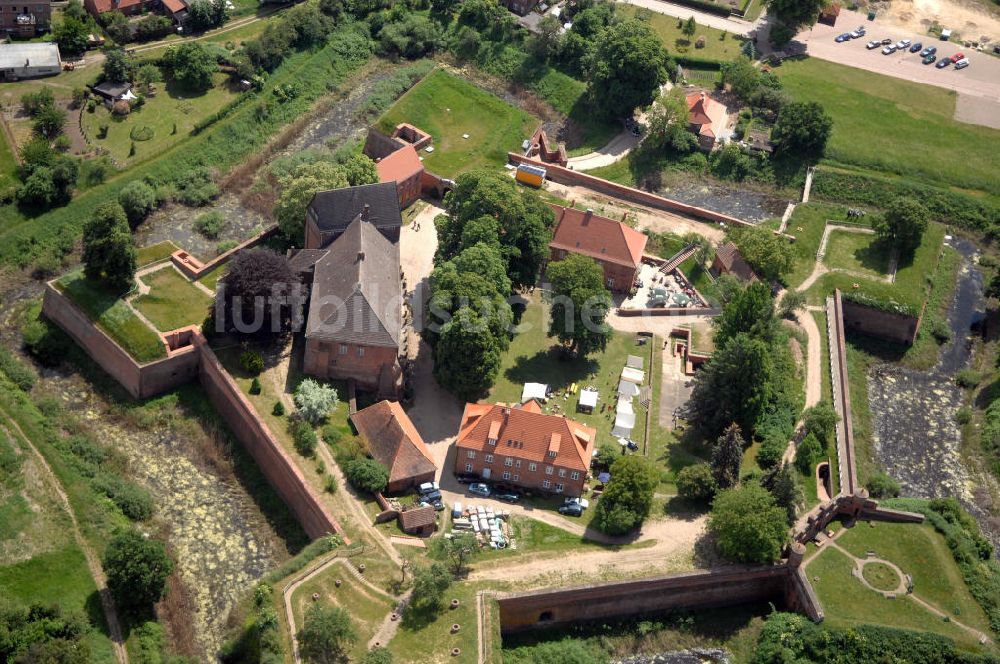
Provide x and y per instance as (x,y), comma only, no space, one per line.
(428,487)
(582,502)
(842,38)
(902,43)
(508,496)
(958,56)
(889,50)
(480,489)
(860,32)
(438,505)
(930,50)
(571,509)
(916,47)
(456,510)
(929,59)
(432,497)
(962,64)
(942,63)
(466,478)
(873,44)
(886,41)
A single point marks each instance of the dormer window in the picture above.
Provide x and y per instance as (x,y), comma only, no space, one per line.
(552,453)
(491,441)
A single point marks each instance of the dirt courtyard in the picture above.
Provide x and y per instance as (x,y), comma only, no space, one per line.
(971,20)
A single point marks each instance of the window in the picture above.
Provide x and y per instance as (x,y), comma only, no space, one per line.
(574,475)
(552,453)
(559,488)
(361,351)
(491,441)
(517,464)
(548,470)
(489,458)
(562,472)
(468,467)
(472,454)
(532,467)
(506,475)
(343,349)
(546,484)
(508,462)
(516,478)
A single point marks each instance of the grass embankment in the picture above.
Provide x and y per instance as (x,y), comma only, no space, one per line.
(173,301)
(450,108)
(155,253)
(719,44)
(114,316)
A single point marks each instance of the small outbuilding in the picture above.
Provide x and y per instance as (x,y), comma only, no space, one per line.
(829,14)
(634,362)
(729,260)
(27,60)
(420,521)
(633,375)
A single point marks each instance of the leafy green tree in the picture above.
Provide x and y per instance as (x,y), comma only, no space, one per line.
(626,69)
(782,484)
(821,421)
(903,224)
(33,102)
(667,123)
(750,312)
(366,474)
(741,76)
(314,400)
(116,25)
(414,36)
(429,584)
(689,27)
(795,13)
(359,169)
(75,9)
(735,385)
(807,454)
(207,14)
(628,498)
(327,633)
(38,189)
(771,450)
(459,549)
(109,254)
(770,255)
(192,65)
(697,483)
(802,130)
(297,192)
(607,454)
(452,290)
(881,485)
(485,261)
(147,74)
(377,655)
(137,569)
(730,162)
(467,355)
(748,526)
(792,302)
(727,456)
(580,304)
(70,35)
(137,199)
(118,66)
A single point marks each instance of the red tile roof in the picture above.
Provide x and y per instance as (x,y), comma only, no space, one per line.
(393,440)
(400,166)
(174,5)
(101,6)
(416,518)
(527,433)
(592,235)
(702,109)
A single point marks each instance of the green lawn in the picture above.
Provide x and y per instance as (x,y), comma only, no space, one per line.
(858,253)
(824,354)
(8,166)
(448,107)
(114,317)
(896,126)
(719,45)
(807,224)
(588,130)
(155,253)
(168,109)
(432,642)
(533,357)
(172,301)
(211,279)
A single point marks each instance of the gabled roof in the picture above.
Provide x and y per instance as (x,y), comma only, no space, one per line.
(583,232)
(418,517)
(527,433)
(702,109)
(356,295)
(733,262)
(174,6)
(306,259)
(401,165)
(334,210)
(393,441)
(101,6)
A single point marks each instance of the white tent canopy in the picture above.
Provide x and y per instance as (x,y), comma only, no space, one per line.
(624,423)
(624,405)
(633,375)
(627,389)
(588,399)
(534,391)
(634,361)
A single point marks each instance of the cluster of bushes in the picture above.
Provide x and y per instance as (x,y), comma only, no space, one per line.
(260,639)
(18,372)
(990,435)
(303,26)
(39,633)
(207,14)
(384,93)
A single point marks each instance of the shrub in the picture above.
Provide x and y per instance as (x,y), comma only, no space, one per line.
(366,474)
(807,454)
(748,525)
(137,570)
(210,224)
(968,378)
(252,361)
(45,341)
(940,331)
(964,415)
(332,435)
(279,409)
(627,500)
(330,484)
(137,199)
(880,485)
(19,373)
(255,386)
(314,400)
(770,452)
(696,483)
(134,501)
(225,246)
(304,437)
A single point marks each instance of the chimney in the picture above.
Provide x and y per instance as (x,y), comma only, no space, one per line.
(365,212)
(361,256)
(624,216)
(587,216)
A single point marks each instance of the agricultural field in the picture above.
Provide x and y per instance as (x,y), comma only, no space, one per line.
(449,108)
(719,45)
(891,125)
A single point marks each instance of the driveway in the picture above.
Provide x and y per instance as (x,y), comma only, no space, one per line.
(616,149)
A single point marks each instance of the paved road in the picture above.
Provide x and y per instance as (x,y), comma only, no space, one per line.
(733,25)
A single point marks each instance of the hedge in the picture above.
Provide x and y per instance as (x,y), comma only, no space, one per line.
(701,5)
(697,63)
(888,306)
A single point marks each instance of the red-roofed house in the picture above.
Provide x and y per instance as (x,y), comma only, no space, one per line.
(393,441)
(616,247)
(405,169)
(706,119)
(521,445)
(175,8)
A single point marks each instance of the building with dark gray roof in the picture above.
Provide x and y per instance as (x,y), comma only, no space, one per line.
(331,212)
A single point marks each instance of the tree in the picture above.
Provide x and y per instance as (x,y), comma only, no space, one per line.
(116,24)
(366,475)
(580,303)
(769,254)
(485,261)
(750,312)
(359,169)
(697,483)
(807,453)
(748,526)
(801,130)
(607,454)
(667,123)
(33,102)
(71,35)
(117,66)
(207,14)
(903,224)
(781,483)
(297,191)
(252,296)
(377,655)
(628,497)
(314,400)
(796,13)
(741,76)
(137,569)
(727,456)
(137,199)
(146,75)
(429,584)
(108,248)
(466,355)
(626,69)
(75,9)
(152,26)
(459,549)
(792,302)
(326,634)
(38,190)
(821,421)
(412,37)
(192,65)
(689,27)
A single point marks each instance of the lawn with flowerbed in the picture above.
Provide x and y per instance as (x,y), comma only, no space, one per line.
(449,107)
